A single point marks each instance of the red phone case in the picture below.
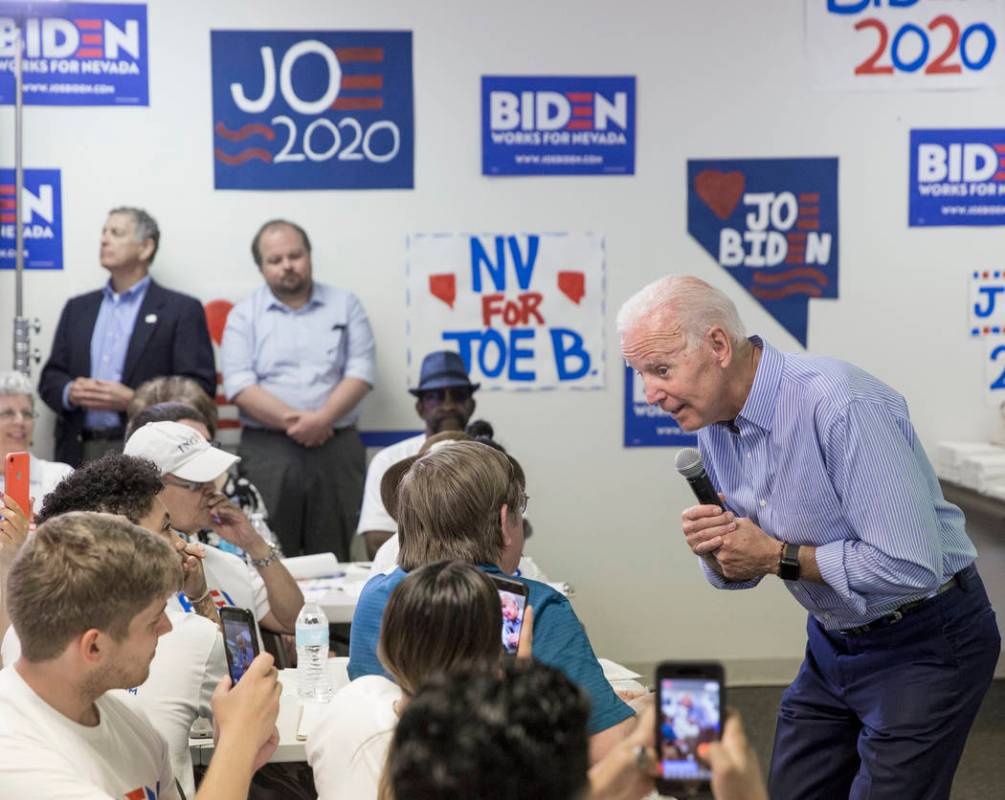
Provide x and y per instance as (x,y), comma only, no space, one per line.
(17,480)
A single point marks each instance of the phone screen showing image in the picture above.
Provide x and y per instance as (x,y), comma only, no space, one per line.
(239,639)
(690,715)
(513,605)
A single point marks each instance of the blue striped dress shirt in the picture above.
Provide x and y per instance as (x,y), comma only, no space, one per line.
(112,331)
(824,454)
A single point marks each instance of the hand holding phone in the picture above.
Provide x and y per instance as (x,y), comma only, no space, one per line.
(17,480)
(240,639)
(690,696)
(513,600)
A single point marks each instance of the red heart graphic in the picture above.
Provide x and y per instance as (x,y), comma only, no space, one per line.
(443,287)
(720,191)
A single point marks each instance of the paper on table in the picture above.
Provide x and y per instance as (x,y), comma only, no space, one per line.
(310,715)
(614,671)
(317,565)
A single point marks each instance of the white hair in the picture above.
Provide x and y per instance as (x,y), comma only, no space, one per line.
(694,306)
(14,383)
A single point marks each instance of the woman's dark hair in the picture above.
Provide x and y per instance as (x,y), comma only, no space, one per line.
(166,412)
(441,616)
(480,429)
(515,731)
(114,484)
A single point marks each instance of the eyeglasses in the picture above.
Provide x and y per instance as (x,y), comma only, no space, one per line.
(458,394)
(11,414)
(192,486)
(524,497)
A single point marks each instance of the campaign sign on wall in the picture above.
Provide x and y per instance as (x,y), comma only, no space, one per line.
(525,311)
(957,177)
(558,125)
(646,425)
(771,223)
(904,44)
(312,109)
(986,303)
(41,219)
(994,371)
(78,54)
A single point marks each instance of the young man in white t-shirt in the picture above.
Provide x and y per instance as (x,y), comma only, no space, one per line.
(445,402)
(87,597)
(190,661)
(189,467)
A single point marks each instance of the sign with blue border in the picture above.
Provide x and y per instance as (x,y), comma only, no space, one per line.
(650,426)
(78,54)
(312,109)
(957,177)
(41,218)
(772,224)
(558,125)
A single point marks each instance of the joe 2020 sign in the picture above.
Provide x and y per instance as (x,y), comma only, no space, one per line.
(312,109)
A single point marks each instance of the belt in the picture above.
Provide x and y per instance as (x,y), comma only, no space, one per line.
(898,614)
(102,434)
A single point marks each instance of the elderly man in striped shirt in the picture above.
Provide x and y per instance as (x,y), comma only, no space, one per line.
(826,485)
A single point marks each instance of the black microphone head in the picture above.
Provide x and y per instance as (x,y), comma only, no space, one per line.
(689,463)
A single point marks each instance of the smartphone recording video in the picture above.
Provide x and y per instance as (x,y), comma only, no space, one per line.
(513,599)
(690,714)
(240,638)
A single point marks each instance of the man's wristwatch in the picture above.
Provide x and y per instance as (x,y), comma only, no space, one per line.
(788,564)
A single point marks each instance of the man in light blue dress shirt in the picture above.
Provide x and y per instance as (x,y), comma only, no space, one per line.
(827,486)
(297,358)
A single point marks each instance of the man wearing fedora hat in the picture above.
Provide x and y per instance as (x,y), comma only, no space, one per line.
(445,402)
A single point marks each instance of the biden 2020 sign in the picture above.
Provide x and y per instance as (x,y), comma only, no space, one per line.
(312,109)
(525,311)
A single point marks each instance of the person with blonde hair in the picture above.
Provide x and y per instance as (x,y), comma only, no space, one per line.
(66,732)
(465,501)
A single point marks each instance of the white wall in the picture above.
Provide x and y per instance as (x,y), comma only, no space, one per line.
(716,78)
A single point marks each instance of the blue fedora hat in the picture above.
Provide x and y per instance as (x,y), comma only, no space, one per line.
(442,369)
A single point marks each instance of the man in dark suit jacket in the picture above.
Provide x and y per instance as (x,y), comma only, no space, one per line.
(110,341)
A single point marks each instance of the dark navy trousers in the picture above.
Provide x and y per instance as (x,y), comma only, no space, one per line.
(884,715)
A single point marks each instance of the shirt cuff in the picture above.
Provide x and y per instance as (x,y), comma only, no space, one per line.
(830,562)
(67,405)
(720,582)
(360,372)
(237,382)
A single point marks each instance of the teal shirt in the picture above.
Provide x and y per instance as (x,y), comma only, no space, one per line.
(559,641)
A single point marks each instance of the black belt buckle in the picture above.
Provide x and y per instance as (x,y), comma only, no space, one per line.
(898,614)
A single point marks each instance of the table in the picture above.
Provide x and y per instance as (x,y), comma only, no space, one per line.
(337,594)
(290,707)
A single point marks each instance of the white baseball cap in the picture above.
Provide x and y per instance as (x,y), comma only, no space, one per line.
(179,450)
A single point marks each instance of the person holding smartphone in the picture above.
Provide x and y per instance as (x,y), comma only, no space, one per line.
(441,617)
(64,732)
(825,484)
(465,501)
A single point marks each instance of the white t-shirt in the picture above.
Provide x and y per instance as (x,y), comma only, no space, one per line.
(386,560)
(43,477)
(189,663)
(348,746)
(373,516)
(44,754)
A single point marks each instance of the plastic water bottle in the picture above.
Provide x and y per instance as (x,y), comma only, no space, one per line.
(313,681)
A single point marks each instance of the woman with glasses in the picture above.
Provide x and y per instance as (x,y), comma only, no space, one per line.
(17,426)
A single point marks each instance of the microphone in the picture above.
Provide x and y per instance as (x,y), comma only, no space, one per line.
(689,464)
